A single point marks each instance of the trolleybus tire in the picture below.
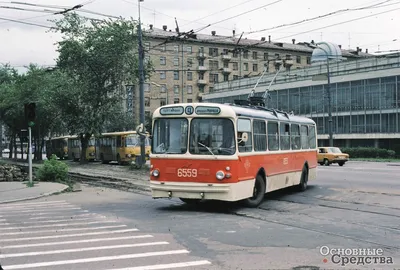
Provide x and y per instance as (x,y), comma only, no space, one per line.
(303,179)
(258,193)
(190,201)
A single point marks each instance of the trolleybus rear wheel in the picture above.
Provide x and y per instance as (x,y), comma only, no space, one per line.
(258,193)
(303,179)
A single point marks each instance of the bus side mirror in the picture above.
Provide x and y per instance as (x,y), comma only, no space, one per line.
(245,137)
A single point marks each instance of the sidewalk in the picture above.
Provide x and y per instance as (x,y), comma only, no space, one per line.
(18,191)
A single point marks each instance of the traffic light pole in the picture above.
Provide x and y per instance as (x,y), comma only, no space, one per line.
(30,156)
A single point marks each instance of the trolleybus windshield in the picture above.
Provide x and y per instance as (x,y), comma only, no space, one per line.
(170,136)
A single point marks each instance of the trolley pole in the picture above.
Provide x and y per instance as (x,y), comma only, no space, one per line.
(141,91)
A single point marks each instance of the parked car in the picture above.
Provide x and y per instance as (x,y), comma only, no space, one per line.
(329,155)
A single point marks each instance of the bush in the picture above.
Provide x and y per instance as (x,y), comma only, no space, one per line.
(368,152)
(53,171)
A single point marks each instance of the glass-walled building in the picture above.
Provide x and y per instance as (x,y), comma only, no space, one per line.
(365,100)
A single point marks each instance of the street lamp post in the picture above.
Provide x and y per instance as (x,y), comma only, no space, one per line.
(141,91)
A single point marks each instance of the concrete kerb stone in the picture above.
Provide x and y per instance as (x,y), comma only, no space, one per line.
(61,190)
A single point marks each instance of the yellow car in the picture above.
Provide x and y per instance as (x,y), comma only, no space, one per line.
(329,155)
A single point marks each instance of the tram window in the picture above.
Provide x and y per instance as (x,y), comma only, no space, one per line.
(295,137)
(244,125)
(311,138)
(285,136)
(304,137)
(273,136)
(260,135)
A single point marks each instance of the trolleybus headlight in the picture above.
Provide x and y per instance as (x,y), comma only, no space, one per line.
(220,175)
(156,173)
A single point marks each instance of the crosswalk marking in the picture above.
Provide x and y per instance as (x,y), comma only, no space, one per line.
(67,235)
(64,230)
(35,235)
(57,225)
(78,241)
(166,266)
(97,259)
(80,249)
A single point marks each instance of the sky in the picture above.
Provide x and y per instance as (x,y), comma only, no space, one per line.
(376,27)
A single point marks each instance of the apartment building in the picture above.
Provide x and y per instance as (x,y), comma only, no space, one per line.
(186,66)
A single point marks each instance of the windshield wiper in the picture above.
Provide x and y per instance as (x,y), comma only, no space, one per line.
(209,150)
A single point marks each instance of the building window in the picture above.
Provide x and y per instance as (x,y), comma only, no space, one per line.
(255,55)
(213,52)
(266,56)
(163,60)
(190,62)
(226,64)
(201,88)
(176,49)
(176,75)
(189,100)
(235,54)
(211,89)
(225,51)
(277,56)
(163,101)
(298,59)
(214,78)
(146,87)
(246,66)
(189,89)
(164,47)
(246,54)
(162,75)
(147,101)
(213,65)
(189,49)
(163,88)
(201,76)
(176,61)
(308,60)
(176,100)
(255,67)
(226,77)
(201,63)
(235,77)
(235,66)
(176,89)
(189,76)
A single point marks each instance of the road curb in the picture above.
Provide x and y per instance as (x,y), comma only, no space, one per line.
(36,197)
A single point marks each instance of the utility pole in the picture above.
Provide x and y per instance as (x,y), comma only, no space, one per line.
(30,115)
(141,92)
(330,120)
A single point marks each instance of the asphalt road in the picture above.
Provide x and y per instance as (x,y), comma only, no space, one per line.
(355,206)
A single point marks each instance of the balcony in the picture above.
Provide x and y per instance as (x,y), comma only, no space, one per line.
(226,70)
(201,82)
(226,57)
(289,62)
(202,55)
(202,68)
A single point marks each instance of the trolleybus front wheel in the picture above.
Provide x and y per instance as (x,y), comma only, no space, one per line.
(258,193)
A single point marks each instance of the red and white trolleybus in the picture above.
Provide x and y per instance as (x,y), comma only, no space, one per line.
(229,152)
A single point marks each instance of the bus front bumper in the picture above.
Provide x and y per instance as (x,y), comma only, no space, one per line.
(207,191)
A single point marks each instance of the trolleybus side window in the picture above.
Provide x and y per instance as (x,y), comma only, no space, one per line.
(273,136)
(312,137)
(243,127)
(304,137)
(285,136)
(295,129)
(212,136)
(170,136)
(260,135)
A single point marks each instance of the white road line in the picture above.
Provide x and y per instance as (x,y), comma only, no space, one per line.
(33,203)
(57,225)
(67,235)
(19,214)
(54,221)
(78,241)
(35,206)
(166,266)
(74,216)
(96,259)
(80,249)
(43,210)
(64,230)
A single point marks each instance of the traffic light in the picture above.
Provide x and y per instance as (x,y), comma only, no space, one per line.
(30,113)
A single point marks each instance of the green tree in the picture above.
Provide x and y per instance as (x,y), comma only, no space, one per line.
(99,57)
